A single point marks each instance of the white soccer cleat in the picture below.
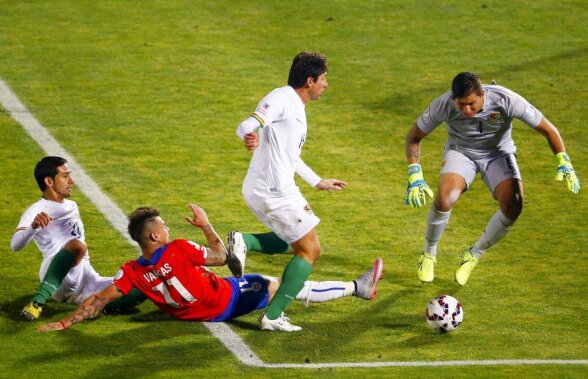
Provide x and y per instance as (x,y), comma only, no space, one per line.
(366,284)
(236,253)
(281,324)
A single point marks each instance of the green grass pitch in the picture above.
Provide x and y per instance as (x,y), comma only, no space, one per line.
(146,96)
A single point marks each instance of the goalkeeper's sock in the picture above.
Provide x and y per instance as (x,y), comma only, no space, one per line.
(436,223)
(293,278)
(266,243)
(317,292)
(496,229)
(60,265)
(135,297)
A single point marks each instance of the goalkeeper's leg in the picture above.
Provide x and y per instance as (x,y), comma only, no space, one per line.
(509,194)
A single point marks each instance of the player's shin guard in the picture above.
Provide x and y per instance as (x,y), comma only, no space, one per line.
(293,278)
(266,243)
(317,292)
(57,270)
(436,223)
(496,229)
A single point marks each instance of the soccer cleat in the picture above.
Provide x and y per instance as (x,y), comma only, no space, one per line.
(281,324)
(365,285)
(426,270)
(468,262)
(236,253)
(32,311)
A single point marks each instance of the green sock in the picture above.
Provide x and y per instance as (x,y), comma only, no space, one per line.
(135,297)
(58,269)
(293,278)
(266,243)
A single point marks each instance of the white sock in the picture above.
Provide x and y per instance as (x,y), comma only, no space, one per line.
(436,223)
(496,229)
(317,292)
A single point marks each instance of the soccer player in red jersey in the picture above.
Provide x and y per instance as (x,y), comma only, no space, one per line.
(172,274)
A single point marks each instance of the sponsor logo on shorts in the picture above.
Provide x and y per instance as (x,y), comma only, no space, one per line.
(119,274)
(443,163)
(308,210)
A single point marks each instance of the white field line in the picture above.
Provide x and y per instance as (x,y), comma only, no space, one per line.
(222,331)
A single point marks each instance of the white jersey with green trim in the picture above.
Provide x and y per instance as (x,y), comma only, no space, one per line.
(271,171)
(488,133)
(66,225)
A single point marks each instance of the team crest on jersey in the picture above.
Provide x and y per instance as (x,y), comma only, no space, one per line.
(119,274)
(263,109)
(495,118)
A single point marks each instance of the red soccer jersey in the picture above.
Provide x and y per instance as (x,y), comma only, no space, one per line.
(176,282)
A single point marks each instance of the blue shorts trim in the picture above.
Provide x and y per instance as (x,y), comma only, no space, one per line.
(250,293)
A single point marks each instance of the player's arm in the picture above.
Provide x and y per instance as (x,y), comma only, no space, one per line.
(246,131)
(23,235)
(216,251)
(564,163)
(90,308)
(417,187)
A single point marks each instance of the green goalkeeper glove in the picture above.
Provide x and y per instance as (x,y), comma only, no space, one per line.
(566,170)
(417,187)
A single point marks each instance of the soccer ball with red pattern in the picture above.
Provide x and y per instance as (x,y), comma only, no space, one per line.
(444,313)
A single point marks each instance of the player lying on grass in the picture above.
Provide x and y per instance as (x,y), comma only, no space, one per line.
(54,223)
(173,276)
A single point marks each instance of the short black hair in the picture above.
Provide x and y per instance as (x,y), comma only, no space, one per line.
(137,222)
(464,84)
(47,167)
(306,64)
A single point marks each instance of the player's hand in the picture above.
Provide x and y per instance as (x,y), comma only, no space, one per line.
(566,170)
(41,220)
(331,185)
(417,187)
(251,141)
(199,219)
(51,327)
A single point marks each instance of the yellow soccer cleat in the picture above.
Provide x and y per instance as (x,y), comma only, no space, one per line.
(468,262)
(32,311)
(426,270)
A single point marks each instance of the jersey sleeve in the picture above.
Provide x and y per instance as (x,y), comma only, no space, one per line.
(521,109)
(122,280)
(269,109)
(434,115)
(196,253)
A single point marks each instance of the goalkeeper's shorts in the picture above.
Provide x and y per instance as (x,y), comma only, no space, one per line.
(493,170)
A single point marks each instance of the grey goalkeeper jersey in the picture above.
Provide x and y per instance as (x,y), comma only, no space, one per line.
(488,133)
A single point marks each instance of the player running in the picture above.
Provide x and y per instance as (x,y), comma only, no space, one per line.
(479,123)
(269,188)
(54,223)
(173,276)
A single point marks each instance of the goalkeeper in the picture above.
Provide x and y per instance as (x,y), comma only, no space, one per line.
(479,123)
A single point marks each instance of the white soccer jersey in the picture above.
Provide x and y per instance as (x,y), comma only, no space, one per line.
(65,226)
(486,134)
(276,160)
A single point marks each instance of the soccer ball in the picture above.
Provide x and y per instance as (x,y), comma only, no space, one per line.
(444,313)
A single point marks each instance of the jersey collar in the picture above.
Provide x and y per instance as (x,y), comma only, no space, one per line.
(154,258)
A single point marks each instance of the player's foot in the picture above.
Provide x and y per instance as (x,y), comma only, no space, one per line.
(236,253)
(468,262)
(32,311)
(365,285)
(426,270)
(281,324)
